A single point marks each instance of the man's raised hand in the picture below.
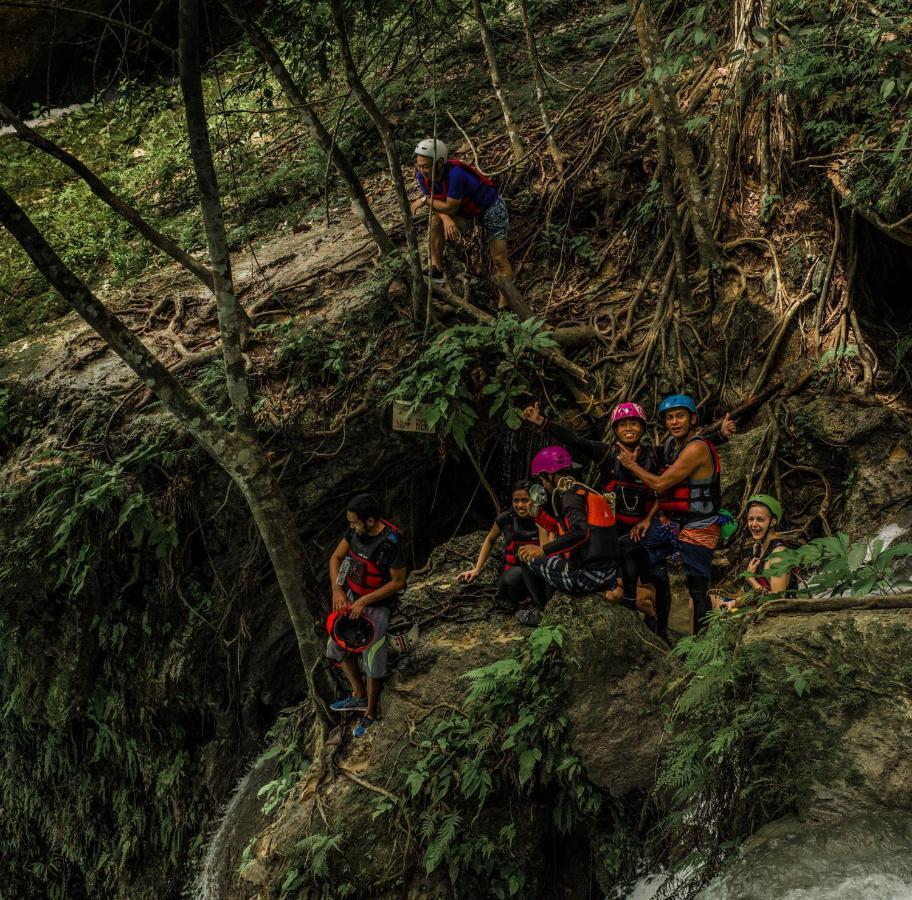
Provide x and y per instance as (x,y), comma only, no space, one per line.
(533,414)
(728,426)
(626,456)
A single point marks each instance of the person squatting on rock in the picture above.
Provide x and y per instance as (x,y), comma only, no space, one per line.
(456,194)
(690,497)
(517,527)
(583,558)
(635,502)
(367,575)
(764,514)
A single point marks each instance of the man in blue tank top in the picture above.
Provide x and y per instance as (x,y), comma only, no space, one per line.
(456,194)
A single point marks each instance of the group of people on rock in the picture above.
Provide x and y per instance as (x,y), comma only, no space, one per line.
(650,503)
(560,534)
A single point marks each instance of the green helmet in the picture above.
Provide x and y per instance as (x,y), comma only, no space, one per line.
(728,524)
(771,503)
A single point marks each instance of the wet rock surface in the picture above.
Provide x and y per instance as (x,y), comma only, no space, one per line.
(860,671)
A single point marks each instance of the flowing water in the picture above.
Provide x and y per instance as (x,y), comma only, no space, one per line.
(241,813)
(867,858)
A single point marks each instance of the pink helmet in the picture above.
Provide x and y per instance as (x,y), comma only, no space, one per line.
(628,411)
(550,460)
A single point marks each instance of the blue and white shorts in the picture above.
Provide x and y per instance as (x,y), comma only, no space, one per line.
(496,221)
(557,572)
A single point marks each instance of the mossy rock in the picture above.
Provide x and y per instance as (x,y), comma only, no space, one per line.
(858,711)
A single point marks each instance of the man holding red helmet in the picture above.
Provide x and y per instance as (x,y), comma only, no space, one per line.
(367,574)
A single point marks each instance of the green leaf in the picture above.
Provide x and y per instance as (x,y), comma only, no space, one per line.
(857,554)
(527,762)
(887,88)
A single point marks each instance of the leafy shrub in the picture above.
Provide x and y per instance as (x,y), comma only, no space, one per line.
(851,76)
(466,364)
(839,566)
(75,493)
(512,738)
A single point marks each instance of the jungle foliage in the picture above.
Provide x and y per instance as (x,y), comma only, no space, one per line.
(102,724)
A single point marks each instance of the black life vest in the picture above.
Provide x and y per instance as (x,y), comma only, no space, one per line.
(601,543)
(691,499)
(764,558)
(516,535)
(632,498)
(366,574)
(468,206)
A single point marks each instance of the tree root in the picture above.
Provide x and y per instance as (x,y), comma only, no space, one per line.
(830,604)
(367,785)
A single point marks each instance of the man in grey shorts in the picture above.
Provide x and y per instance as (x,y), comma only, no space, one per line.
(456,193)
(367,574)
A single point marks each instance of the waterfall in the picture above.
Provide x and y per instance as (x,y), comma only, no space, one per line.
(234,823)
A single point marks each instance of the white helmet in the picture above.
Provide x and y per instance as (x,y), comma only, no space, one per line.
(433,149)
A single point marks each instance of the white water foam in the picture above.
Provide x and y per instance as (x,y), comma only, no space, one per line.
(205,886)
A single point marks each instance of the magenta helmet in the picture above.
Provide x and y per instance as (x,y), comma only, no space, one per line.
(550,460)
(628,411)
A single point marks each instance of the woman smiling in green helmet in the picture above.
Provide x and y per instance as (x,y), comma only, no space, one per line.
(764,513)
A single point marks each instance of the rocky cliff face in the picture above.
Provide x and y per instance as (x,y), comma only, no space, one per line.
(857,715)
(859,702)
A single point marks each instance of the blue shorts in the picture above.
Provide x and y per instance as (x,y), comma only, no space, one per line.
(663,540)
(496,221)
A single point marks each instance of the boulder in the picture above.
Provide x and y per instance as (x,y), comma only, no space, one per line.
(615,688)
(859,700)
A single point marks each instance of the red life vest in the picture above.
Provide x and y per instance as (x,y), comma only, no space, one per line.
(687,501)
(515,535)
(468,208)
(365,574)
(511,552)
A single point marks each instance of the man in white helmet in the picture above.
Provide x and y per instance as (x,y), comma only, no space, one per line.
(455,193)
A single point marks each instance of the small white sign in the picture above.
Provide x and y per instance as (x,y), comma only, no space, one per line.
(404,421)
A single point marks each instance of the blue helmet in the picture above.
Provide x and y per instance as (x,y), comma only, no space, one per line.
(677,401)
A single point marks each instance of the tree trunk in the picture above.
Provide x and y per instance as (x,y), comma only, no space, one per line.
(670,202)
(323,138)
(516,143)
(104,193)
(386,135)
(540,91)
(667,114)
(241,457)
(230,315)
